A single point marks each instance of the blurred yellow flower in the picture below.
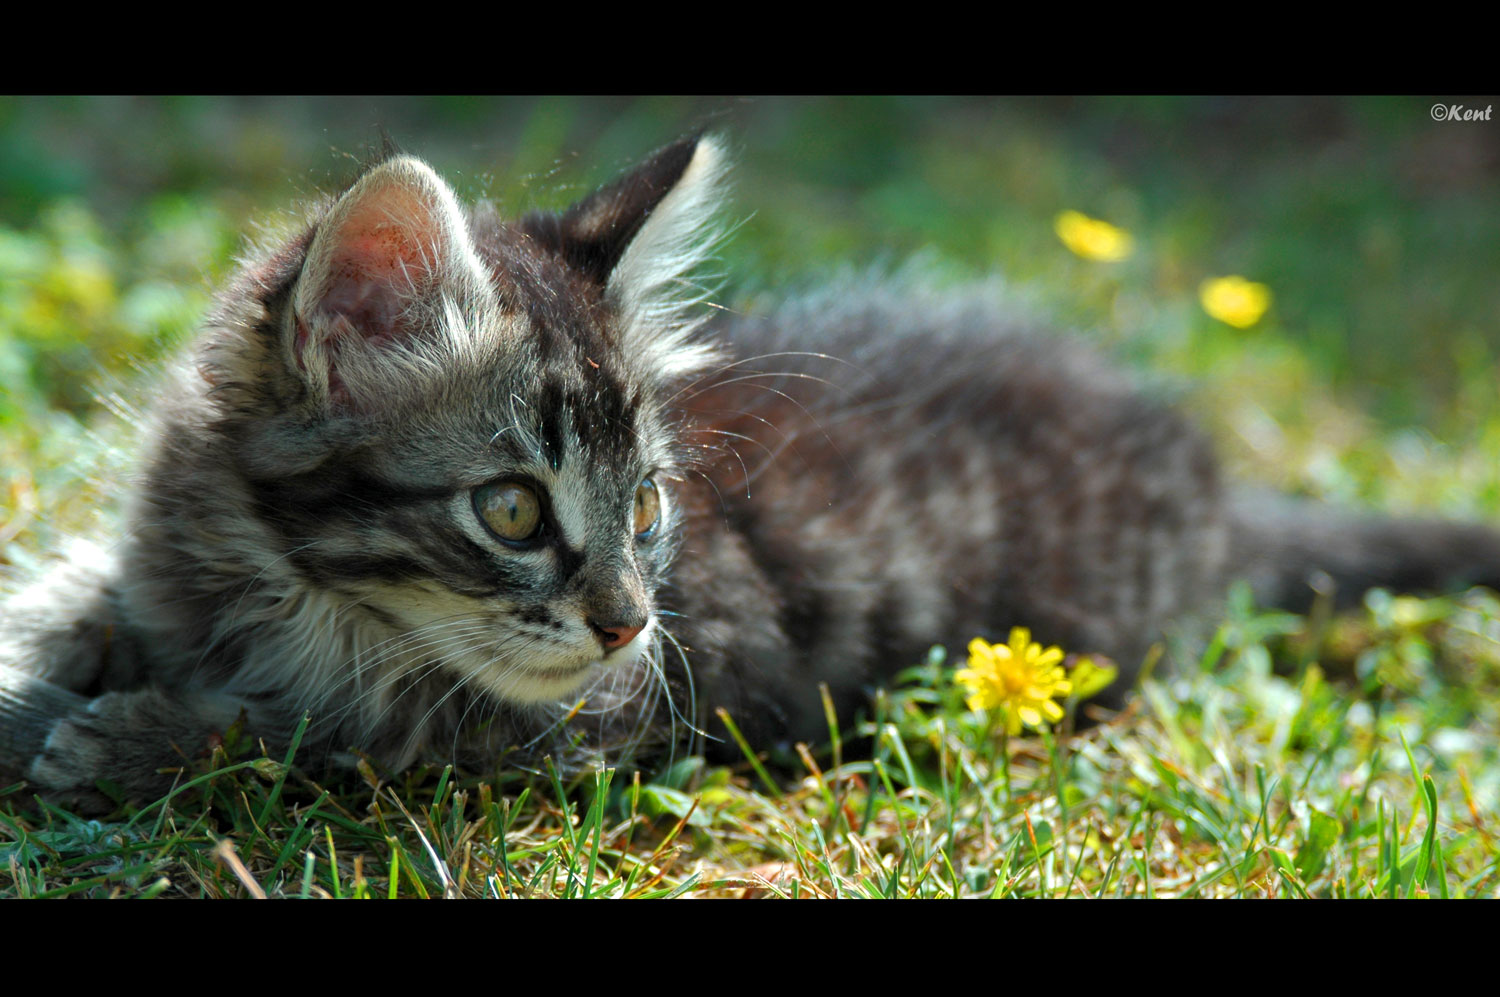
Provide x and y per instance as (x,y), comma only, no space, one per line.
(1093,239)
(1020,678)
(1235,300)
(1091,675)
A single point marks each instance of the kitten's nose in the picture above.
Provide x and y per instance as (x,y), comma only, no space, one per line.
(613,635)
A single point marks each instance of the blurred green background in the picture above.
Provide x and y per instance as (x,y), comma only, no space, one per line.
(1373,377)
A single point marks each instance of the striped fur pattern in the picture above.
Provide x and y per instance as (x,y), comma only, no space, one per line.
(834,484)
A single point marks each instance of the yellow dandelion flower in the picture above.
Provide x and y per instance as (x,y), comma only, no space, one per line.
(1235,300)
(1093,239)
(1020,678)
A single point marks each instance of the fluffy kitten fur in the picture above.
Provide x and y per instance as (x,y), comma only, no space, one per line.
(843,481)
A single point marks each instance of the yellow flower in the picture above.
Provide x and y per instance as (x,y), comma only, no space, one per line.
(1093,239)
(1091,675)
(1021,678)
(1235,300)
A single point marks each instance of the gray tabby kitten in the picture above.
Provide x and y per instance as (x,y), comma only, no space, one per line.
(436,478)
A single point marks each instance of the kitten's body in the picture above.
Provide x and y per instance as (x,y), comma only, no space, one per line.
(842,481)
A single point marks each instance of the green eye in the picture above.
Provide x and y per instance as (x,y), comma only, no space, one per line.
(511,511)
(647,507)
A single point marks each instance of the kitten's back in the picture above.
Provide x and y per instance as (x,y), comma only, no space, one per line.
(903,466)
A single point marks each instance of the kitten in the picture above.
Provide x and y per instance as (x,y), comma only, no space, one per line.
(436,478)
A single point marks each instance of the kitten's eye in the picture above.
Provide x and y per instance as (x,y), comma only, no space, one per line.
(647,507)
(511,511)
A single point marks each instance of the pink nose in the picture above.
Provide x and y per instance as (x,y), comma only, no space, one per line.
(613,635)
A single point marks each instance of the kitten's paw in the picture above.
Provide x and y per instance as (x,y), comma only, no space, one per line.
(73,760)
(134,741)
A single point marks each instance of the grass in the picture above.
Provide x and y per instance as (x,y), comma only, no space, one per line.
(1347,756)
(1229,780)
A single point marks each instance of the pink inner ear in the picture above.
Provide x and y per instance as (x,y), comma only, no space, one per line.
(381,259)
(362,300)
(383,248)
(366,292)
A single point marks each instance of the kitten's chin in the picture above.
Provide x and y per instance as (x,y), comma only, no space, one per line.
(532,688)
(536,682)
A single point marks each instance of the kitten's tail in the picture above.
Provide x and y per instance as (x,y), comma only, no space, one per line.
(1290,550)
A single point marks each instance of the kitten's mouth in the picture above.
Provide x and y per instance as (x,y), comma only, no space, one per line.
(564,673)
(533,681)
(533,684)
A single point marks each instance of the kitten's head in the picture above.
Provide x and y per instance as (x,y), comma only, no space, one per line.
(458,426)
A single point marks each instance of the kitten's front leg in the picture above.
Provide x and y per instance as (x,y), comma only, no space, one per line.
(129,738)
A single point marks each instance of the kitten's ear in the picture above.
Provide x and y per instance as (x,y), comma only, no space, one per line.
(671,190)
(641,237)
(391,255)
